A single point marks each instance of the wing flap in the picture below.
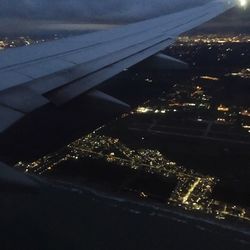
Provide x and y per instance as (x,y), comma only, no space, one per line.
(8,117)
(63,95)
(86,69)
(22,99)
(11,79)
(42,68)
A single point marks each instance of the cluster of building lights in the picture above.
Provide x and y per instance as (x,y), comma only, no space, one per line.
(173,103)
(244,73)
(191,193)
(197,101)
(17,42)
(223,108)
(245,112)
(212,39)
(210,78)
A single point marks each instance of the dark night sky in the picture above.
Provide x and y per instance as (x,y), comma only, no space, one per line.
(85,10)
(24,16)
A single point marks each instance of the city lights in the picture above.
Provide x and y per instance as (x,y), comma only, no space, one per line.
(193,189)
(191,110)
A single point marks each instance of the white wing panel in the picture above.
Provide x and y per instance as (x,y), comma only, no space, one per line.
(63,69)
(43,68)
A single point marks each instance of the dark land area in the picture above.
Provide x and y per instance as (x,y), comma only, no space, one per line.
(198,118)
(58,218)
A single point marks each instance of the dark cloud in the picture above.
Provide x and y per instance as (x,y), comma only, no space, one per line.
(90,10)
(34,15)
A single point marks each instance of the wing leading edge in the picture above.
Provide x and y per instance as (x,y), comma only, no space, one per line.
(58,71)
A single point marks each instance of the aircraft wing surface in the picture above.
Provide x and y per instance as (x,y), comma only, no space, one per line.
(58,71)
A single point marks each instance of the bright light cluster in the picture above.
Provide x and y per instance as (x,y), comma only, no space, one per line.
(243,3)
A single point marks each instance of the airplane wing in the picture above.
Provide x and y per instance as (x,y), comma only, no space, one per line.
(56,72)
